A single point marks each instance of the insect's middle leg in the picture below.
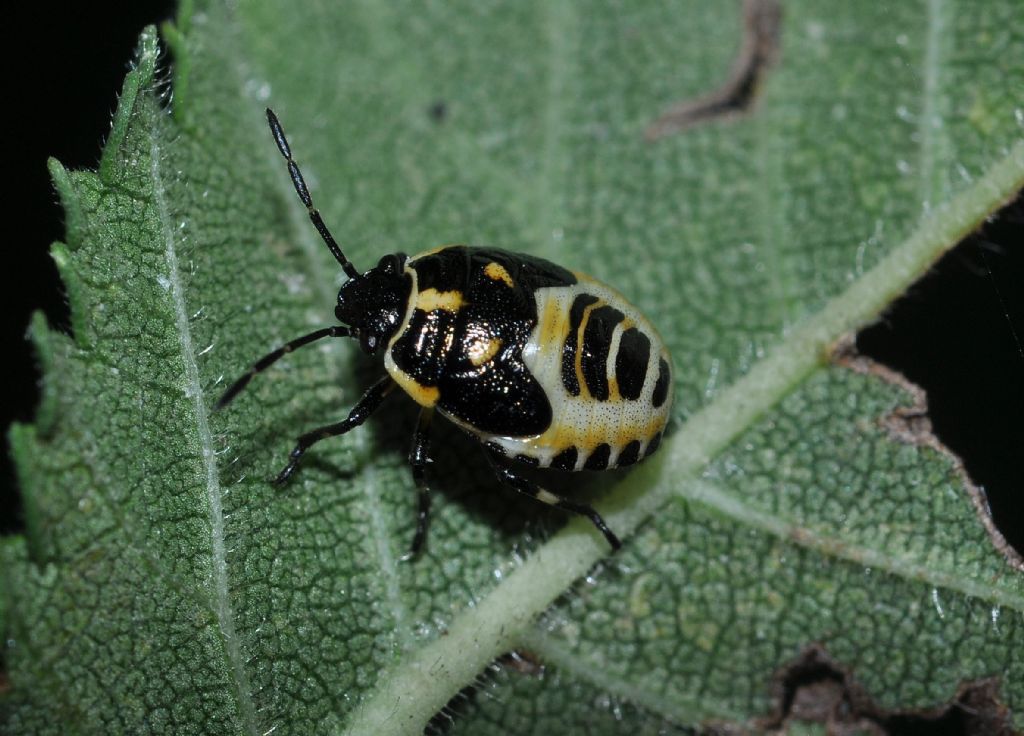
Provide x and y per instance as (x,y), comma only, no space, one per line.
(419,456)
(359,413)
(529,488)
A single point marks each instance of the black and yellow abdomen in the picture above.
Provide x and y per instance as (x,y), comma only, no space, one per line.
(544,365)
(606,374)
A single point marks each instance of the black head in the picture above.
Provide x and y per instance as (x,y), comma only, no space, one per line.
(371,303)
(374,303)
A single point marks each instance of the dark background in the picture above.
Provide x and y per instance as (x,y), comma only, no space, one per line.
(958,333)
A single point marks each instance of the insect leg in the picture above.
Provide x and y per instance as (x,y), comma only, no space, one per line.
(359,413)
(531,489)
(272,357)
(418,459)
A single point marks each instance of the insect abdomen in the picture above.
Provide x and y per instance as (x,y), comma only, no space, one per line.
(606,374)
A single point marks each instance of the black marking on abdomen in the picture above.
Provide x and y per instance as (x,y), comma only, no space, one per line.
(598,459)
(631,363)
(661,386)
(527,460)
(566,459)
(629,455)
(579,306)
(597,344)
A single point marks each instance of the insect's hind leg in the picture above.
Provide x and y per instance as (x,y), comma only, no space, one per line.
(531,489)
(419,456)
(368,404)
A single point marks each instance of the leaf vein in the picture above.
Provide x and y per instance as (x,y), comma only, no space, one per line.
(314,253)
(194,388)
(678,707)
(933,141)
(831,544)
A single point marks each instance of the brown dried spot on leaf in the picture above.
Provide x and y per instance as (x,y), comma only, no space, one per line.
(814,688)
(760,49)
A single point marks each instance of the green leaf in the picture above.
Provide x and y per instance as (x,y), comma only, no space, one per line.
(164,586)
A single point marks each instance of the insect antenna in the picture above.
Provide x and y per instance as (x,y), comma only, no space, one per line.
(303,191)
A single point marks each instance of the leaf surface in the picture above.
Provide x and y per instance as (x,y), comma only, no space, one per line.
(164,586)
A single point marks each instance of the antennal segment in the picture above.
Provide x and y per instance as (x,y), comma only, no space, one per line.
(303,191)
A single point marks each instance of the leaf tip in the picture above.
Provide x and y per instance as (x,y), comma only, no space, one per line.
(41,335)
(69,200)
(74,291)
(138,79)
(147,54)
(20,438)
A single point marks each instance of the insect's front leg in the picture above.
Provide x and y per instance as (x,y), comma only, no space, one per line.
(275,355)
(368,404)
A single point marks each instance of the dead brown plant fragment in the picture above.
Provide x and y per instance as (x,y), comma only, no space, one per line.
(760,50)
(814,688)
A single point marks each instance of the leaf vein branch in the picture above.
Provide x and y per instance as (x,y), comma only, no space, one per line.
(560,25)
(678,707)
(933,140)
(832,544)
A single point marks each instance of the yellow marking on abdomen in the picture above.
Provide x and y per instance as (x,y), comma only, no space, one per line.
(497,272)
(422,395)
(554,325)
(580,379)
(430,299)
(483,349)
(587,438)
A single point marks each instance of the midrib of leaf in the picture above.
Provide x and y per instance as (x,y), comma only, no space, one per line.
(194,389)
(406,697)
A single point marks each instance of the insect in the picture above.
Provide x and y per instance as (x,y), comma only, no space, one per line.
(545,367)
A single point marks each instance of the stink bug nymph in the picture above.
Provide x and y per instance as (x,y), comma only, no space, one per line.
(545,367)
